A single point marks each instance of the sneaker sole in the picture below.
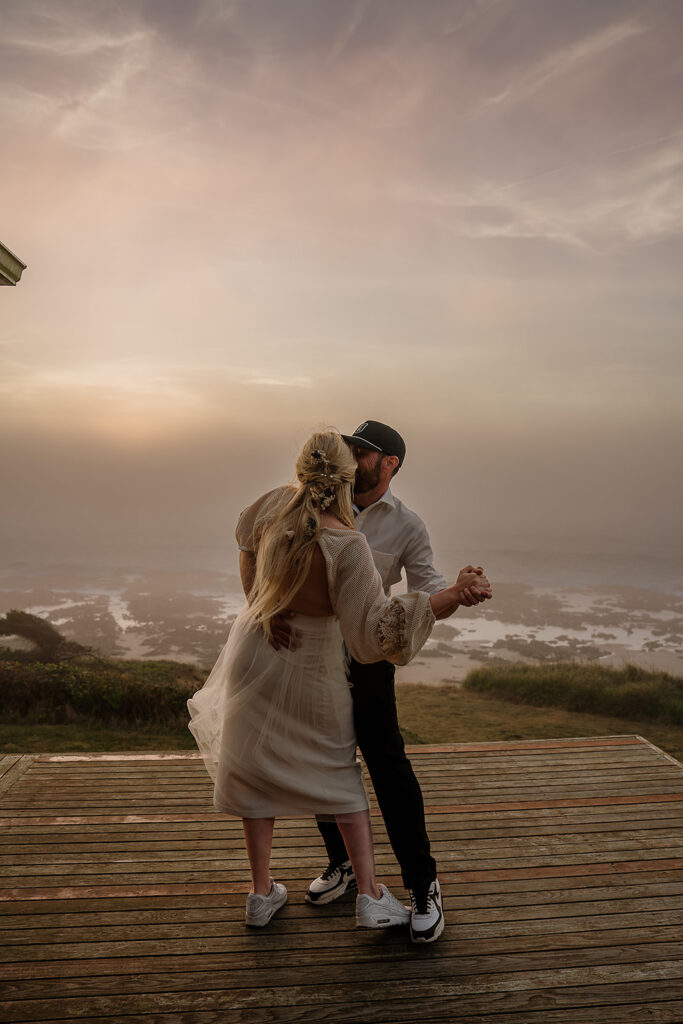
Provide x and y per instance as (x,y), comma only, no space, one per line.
(415,936)
(389,919)
(381,924)
(264,919)
(331,896)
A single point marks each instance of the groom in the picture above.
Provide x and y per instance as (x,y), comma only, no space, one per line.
(399,541)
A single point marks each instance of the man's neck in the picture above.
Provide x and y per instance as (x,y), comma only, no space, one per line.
(364,498)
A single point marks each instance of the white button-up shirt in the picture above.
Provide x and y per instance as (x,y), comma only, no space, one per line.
(399,541)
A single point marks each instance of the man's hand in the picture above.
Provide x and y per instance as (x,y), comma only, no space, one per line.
(473,585)
(284,635)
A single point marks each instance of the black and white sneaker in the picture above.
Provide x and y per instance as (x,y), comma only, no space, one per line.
(426,922)
(335,880)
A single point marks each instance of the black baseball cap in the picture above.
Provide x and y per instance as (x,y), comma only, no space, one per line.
(378,437)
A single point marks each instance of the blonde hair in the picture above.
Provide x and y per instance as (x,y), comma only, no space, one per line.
(326,472)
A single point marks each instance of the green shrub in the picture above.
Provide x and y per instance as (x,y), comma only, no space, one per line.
(136,693)
(630,692)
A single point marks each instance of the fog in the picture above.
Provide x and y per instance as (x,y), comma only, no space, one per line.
(246,220)
(550,486)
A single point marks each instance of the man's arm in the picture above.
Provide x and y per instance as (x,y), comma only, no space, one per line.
(418,562)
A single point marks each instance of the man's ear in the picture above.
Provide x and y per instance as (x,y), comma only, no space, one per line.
(392,460)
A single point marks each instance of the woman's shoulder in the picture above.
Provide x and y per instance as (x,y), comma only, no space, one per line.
(328,521)
(256,516)
(346,553)
(278,492)
(268,499)
(335,539)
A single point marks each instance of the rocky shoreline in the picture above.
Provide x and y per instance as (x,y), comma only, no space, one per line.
(185,616)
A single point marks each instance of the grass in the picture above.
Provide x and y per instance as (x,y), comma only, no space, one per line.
(631,693)
(444,714)
(140,705)
(428,714)
(41,738)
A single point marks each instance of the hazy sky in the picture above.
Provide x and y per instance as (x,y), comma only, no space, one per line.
(246,218)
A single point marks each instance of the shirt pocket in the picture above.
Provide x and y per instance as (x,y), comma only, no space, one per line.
(387,566)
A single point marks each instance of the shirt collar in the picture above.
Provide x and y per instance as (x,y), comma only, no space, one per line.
(387,499)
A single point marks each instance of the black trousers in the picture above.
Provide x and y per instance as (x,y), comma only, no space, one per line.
(398,792)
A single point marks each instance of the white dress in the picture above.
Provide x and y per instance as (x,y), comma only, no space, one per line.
(275,728)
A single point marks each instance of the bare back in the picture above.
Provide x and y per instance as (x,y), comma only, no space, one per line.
(313,597)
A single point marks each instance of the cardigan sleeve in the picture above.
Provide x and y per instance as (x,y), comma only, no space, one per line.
(374,627)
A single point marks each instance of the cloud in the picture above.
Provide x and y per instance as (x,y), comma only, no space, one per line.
(247,214)
(51,29)
(282,382)
(356,13)
(565,61)
(632,194)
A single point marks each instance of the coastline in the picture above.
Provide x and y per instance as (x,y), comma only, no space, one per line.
(185,616)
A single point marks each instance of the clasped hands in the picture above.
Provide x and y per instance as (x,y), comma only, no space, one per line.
(472,586)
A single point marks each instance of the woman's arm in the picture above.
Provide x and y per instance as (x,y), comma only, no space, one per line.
(374,627)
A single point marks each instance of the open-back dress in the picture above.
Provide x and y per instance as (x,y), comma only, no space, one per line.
(275,728)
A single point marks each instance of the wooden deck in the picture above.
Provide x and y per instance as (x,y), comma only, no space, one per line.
(561,862)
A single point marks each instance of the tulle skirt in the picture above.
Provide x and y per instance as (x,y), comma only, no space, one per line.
(275,728)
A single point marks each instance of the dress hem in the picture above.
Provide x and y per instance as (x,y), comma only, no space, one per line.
(293,812)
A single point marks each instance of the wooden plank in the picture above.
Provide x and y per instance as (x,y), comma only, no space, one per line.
(527,853)
(220,827)
(461,898)
(660,752)
(462,808)
(196,776)
(656,1011)
(530,745)
(412,987)
(430,772)
(518,854)
(166,886)
(445,748)
(309,848)
(192,765)
(307,845)
(551,780)
(297,943)
(465,906)
(303,851)
(166,756)
(561,864)
(7,761)
(15,771)
(240,972)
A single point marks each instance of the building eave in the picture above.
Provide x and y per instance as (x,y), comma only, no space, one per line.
(11,267)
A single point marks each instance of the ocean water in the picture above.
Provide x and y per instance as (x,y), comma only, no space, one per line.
(602,603)
(655,567)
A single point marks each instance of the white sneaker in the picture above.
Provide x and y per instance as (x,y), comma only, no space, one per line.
(427,921)
(382,913)
(260,909)
(333,883)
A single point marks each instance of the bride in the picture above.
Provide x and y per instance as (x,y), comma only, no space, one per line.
(275,727)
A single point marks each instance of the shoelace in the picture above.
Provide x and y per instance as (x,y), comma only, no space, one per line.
(416,904)
(330,870)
